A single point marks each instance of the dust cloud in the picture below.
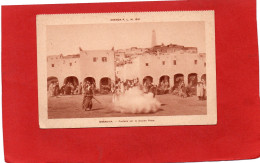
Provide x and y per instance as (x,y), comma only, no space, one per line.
(135,101)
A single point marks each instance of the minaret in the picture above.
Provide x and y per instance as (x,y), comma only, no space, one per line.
(153,38)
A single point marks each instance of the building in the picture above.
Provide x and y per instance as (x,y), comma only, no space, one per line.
(166,63)
(157,64)
(172,63)
(96,66)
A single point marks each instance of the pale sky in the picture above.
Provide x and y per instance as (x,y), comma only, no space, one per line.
(67,39)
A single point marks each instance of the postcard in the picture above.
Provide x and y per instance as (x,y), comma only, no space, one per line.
(126,69)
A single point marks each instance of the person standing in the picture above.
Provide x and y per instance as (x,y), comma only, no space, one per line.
(62,89)
(153,89)
(113,90)
(80,88)
(199,90)
(204,97)
(145,87)
(84,87)
(122,87)
(56,89)
(87,98)
(51,89)
(72,88)
(116,94)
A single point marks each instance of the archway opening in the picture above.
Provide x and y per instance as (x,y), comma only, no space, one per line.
(192,79)
(164,79)
(164,85)
(70,85)
(53,86)
(72,80)
(192,82)
(52,79)
(91,80)
(147,80)
(178,79)
(105,85)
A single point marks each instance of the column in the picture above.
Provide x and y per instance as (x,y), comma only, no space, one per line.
(185,77)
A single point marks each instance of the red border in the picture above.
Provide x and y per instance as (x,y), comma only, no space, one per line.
(236,136)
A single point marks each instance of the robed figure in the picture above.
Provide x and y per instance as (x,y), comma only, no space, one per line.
(87,97)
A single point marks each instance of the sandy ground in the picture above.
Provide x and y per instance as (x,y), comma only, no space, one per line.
(71,107)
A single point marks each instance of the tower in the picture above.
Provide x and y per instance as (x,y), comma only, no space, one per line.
(153,38)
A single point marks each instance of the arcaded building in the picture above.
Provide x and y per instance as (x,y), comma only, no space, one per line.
(96,66)
(172,63)
(161,62)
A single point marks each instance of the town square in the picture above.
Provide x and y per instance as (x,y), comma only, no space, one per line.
(71,107)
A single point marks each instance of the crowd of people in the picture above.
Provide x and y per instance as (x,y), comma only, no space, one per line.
(67,89)
(186,91)
(180,89)
(119,87)
(53,89)
(163,87)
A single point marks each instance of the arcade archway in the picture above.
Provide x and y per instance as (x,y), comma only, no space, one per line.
(178,78)
(51,79)
(164,78)
(90,79)
(192,83)
(71,83)
(192,79)
(105,85)
(72,80)
(148,79)
(164,85)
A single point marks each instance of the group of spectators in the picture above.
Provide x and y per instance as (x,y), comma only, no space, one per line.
(186,91)
(67,89)
(163,87)
(53,89)
(122,86)
(182,90)
(147,86)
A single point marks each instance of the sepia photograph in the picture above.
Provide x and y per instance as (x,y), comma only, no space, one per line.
(126,69)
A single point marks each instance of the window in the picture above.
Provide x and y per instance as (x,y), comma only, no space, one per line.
(205,64)
(94,59)
(195,62)
(70,64)
(146,64)
(104,59)
(174,62)
(163,62)
(52,65)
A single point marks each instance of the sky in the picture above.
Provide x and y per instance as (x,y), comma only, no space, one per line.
(66,39)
